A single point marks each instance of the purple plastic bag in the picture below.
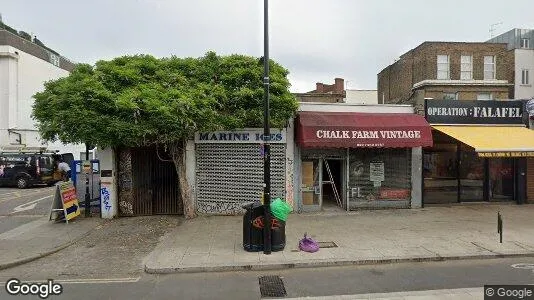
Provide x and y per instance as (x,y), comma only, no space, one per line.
(308,245)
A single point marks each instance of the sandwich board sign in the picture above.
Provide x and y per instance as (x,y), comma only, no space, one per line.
(65,204)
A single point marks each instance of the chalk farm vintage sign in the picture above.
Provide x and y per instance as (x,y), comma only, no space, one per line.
(473,112)
(369,138)
(368,134)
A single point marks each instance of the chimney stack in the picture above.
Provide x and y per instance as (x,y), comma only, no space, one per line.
(339,85)
(319,87)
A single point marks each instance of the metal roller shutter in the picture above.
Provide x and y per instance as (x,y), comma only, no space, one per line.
(229,175)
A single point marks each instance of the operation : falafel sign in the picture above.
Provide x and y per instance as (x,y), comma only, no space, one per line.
(474,112)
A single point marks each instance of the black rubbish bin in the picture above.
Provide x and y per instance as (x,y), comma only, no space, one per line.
(252,236)
(253,233)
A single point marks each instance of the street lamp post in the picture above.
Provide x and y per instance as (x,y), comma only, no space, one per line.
(266,136)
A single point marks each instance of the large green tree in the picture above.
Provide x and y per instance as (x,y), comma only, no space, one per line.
(142,101)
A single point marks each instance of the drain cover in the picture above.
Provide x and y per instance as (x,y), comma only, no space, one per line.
(272,286)
(327,245)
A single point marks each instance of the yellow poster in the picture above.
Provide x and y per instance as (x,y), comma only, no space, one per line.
(69,200)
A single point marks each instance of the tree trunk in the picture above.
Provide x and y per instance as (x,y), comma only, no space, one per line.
(177,151)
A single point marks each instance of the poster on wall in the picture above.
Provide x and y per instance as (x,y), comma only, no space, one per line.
(376,171)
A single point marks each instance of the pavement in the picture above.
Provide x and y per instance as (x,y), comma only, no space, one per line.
(214,243)
(40,238)
(468,293)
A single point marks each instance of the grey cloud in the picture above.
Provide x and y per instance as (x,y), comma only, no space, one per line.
(316,40)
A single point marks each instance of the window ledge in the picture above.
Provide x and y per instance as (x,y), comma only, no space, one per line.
(526,85)
(493,82)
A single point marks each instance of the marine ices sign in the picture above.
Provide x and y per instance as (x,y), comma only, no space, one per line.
(240,137)
(473,112)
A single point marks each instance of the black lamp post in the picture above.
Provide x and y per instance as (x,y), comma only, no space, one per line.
(87,201)
(266,136)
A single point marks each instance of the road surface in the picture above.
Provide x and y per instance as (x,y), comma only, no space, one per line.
(298,282)
(20,206)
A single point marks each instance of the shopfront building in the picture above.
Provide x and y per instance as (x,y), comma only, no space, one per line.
(358,156)
(226,169)
(480,152)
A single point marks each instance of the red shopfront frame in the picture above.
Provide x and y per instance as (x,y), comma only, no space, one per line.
(356,130)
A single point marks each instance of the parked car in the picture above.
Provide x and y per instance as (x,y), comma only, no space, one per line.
(24,169)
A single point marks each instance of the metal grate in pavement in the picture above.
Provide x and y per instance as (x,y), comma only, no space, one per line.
(327,245)
(272,286)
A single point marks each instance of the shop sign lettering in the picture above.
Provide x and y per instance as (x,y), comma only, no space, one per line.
(506,154)
(252,136)
(368,134)
(474,112)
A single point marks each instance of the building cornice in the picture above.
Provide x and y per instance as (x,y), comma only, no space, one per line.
(8,54)
(435,82)
(9,39)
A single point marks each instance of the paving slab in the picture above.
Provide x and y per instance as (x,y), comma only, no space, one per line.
(214,243)
(40,238)
(467,293)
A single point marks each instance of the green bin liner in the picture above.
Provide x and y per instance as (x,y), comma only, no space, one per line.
(280,209)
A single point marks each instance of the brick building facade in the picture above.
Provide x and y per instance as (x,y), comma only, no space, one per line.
(325,93)
(448,70)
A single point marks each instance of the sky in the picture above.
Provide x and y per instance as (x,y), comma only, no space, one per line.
(316,40)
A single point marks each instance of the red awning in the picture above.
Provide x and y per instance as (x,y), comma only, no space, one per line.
(355,130)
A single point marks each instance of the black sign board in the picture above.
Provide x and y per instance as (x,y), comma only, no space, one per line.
(106,173)
(473,112)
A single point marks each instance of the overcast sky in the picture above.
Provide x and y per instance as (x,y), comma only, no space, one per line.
(317,40)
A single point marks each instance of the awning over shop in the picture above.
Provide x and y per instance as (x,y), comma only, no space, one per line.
(493,141)
(353,130)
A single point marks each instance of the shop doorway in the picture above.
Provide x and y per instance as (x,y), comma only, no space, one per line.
(501,179)
(322,184)
(471,176)
(331,184)
(154,183)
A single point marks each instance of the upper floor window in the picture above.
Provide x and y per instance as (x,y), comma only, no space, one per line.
(466,72)
(489,67)
(525,43)
(484,96)
(450,96)
(443,67)
(524,76)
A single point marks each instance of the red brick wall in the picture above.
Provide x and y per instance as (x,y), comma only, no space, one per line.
(395,82)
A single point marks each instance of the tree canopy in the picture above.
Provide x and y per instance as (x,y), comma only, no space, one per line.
(141,100)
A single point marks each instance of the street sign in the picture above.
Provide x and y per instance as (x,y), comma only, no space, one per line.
(65,202)
(86,167)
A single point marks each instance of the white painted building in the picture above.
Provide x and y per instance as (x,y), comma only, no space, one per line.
(521,41)
(353,96)
(24,67)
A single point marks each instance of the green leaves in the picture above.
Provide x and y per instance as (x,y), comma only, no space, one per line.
(139,100)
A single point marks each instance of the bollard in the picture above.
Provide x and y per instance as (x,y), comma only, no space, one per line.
(499,226)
